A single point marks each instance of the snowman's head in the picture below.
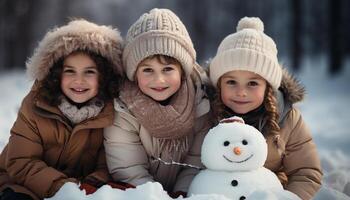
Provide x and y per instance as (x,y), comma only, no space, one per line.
(234,146)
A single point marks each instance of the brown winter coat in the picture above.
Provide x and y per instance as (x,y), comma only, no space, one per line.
(44,151)
(298,159)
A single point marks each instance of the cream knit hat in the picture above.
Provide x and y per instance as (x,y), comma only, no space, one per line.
(247,49)
(158,32)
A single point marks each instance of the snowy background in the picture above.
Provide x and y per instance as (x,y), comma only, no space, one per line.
(325,110)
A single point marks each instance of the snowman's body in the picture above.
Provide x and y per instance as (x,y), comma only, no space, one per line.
(234,185)
(234,154)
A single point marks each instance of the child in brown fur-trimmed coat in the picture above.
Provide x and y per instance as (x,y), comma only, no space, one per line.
(58,135)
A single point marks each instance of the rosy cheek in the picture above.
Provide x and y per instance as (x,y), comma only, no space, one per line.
(142,83)
(145,80)
(223,96)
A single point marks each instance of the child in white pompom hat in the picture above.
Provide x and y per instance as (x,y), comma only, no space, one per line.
(250,83)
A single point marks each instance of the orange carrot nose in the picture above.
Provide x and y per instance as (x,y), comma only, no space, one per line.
(237,151)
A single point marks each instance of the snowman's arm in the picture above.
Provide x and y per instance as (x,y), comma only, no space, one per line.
(193,157)
(126,157)
(301,161)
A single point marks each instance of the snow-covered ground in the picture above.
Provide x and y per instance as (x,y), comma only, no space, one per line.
(325,110)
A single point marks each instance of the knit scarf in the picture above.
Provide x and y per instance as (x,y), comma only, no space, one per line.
(257,119)
(77,115)
(168,122)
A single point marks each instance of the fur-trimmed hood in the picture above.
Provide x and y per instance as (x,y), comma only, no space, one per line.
(290,91)
(76,35)
(291,88)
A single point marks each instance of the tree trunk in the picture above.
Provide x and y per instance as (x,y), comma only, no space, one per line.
(335,37)
(296,34)
(17,18)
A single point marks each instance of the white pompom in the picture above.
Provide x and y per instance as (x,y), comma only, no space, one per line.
(250,22)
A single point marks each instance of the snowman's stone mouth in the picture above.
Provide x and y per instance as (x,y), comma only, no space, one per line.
(237,161)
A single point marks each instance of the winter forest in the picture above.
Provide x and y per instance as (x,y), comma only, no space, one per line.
(301,29)
(312,38)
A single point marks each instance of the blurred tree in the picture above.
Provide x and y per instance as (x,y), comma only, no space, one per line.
(20,21)
(199,13)
(296,34)
(346,27)
(318,27)
(16,21)
(335,37)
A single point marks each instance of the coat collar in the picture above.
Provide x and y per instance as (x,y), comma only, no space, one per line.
(105,118)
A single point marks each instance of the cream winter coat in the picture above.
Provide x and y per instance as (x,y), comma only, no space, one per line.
(133,155)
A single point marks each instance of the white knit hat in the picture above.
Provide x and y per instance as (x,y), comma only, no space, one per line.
(158,32)
(248,49)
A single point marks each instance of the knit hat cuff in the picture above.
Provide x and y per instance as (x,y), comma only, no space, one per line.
(158,42)
(248,60)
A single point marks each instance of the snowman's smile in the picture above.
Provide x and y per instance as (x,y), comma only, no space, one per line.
(237,161)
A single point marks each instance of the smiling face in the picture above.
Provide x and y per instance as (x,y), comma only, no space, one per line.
(79,81)
(242,91)
(234,146)
(158,79)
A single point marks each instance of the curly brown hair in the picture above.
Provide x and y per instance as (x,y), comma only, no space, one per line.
(272,113)
(270,106)
(108,80)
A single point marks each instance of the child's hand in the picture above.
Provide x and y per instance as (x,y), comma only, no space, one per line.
(89,189)
(177,194)
(120,185)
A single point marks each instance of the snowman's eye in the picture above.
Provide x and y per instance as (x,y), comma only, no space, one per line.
(226,143)
(244,142)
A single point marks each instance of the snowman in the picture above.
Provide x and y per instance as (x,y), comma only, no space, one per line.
(234,154)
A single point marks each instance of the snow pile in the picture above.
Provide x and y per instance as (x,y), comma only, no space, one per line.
(147,191)
(326,193)
(154,191)
(13,86)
